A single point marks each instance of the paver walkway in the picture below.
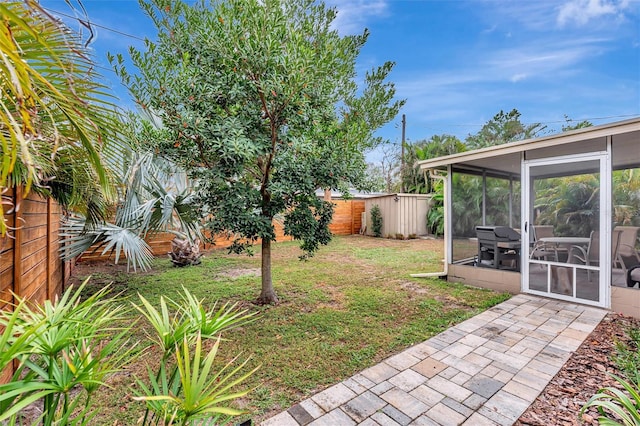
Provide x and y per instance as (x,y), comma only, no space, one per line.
(484,371)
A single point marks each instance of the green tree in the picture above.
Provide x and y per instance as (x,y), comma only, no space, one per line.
(503,128)
(436,146)
(570,125)
(261,107)
(55,114)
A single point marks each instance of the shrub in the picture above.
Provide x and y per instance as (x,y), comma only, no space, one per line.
(73,344)
(376,221)
(435,215)
(612,403)
(399,236)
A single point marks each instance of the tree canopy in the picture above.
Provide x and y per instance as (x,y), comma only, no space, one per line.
(262,107)
(503,128)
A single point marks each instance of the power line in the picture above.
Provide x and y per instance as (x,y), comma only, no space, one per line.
(89,22)
(531,123)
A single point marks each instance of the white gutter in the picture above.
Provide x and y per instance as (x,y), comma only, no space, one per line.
(434,174)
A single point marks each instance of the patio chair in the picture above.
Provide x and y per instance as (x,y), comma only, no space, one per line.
(541,250)
(591,255)
(627,253)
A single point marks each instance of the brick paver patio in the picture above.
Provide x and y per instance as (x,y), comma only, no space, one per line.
(484,371)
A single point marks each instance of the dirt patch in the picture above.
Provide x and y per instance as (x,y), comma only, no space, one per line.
(373,242)
(415,287)
(236,273)
(580,378)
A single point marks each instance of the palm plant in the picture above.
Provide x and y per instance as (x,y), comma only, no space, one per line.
(466,195)
(435,215)
(155,195)
(626,197)
(436,146)
(66,349)
(55,114)
(185,390)
(60,347)
(570,202)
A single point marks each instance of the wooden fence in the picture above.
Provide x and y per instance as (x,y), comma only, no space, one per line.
(346,221)
(30,264)
(347,217)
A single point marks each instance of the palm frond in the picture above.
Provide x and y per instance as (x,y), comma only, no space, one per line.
(52,99)
(108,238)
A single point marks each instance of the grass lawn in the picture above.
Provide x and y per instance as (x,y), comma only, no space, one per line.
(351,306)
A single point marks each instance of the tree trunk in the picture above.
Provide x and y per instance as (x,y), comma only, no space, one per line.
(267,295)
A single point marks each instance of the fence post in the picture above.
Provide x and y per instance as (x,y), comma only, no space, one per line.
(353,222)
(17,243)
(48,258)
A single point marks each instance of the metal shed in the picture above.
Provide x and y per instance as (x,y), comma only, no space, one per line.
(402,214)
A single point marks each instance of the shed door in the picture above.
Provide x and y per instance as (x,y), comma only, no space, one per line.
(565,212)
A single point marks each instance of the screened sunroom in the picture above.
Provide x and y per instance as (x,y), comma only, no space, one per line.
(557,216)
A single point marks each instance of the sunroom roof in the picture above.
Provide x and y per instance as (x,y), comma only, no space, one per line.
(506,158)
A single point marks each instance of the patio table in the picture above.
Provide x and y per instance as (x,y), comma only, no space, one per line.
(568,241)
(565,243)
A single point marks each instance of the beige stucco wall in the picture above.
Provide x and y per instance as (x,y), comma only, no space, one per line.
(494,279)
(623,300)
(626,301)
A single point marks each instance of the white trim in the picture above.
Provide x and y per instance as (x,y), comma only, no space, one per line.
(604,271)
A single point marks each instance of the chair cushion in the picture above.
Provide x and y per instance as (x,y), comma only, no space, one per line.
(633,276)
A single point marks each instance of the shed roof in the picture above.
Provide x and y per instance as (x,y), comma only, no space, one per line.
(506,158)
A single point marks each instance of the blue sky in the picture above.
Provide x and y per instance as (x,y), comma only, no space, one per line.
(460,62)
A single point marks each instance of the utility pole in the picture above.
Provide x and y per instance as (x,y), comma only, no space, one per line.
(404,126)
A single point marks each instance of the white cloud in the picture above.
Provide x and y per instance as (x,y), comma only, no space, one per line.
(536,15)
(539,60)
(490,30)
(582,11)
(353,15)
(446,95)
(518,77)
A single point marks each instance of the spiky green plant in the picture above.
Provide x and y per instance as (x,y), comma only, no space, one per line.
(62,346)
(201,390)
(616,407)
(74,344)
(172,397)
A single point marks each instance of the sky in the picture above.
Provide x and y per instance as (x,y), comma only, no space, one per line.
(459,62)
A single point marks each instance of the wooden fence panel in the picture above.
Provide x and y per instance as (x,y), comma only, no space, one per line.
(347,218)
(346,221)
(30,264)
